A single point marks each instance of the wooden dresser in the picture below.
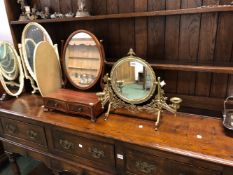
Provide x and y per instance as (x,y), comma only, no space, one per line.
(184,145)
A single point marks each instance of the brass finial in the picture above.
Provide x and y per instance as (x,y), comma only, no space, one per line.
(131,52)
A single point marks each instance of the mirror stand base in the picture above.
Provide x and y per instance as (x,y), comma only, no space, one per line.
(151,110)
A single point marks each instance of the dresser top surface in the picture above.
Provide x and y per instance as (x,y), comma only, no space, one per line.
(190,135)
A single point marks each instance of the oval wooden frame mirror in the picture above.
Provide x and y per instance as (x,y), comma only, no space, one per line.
(11,81)
(101,64)
(24,40)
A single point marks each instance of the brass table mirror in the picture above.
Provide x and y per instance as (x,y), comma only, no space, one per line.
(11,71)
(132,85)
(82,61)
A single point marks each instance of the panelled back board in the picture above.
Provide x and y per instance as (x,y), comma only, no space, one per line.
(201,38)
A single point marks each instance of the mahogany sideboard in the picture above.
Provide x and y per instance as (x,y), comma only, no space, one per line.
(184,145)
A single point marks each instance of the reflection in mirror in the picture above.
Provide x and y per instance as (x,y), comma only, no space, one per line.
(11,72)
(30,48)
(8,62)
(33,34)
(83,60)
(132,80)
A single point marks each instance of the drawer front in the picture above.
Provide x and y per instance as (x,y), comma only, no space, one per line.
(176,168)
(143,164)
(80,109)
(100,152)
(54,104)
(24,131)
(78,169)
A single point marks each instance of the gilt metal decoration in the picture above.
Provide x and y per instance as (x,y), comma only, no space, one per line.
(156,106)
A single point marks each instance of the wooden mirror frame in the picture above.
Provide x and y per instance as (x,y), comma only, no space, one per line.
(23,41)
(101,51)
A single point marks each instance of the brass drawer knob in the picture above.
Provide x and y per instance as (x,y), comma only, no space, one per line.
(32,134)
(11,128)
(145,167)
(79,109)
(66,144)
(95,153)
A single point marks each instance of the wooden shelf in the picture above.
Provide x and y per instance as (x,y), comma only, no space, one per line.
(214,68)
(202,9)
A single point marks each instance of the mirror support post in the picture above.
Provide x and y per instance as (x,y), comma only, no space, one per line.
(34,87)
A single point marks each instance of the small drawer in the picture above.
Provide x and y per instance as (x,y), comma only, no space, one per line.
(143,164)
(80,109)
(96,151)
(24,131)
(54,104)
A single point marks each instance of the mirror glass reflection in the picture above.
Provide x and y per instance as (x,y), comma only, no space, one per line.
(33,35)
(82,60)
(8,62)
(133,81)
(11,73)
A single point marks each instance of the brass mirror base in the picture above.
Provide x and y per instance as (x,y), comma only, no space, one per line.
(156,106)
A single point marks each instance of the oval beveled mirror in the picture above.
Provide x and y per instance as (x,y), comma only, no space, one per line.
(83,59)
(133,79)
(11,71)
(33,33)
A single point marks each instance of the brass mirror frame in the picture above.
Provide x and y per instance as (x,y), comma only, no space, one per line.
(23,41)
(19,75)
(101,51)
(131,57)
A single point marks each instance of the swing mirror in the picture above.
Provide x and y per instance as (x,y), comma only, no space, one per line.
(83,59)
(11,71)
(33,33)
(133,79)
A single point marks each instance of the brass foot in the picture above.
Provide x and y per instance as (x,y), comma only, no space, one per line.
(108,111)
(158,120)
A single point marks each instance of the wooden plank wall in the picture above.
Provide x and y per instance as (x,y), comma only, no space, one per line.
(198,38)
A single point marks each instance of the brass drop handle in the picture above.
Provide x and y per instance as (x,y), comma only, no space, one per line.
(79,109)
(32,134)
(95,153)
(55,105)
(66,144)
(145,167)
(11,128)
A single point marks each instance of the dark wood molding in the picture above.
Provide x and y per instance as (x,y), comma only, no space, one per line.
(195,67)
(203,9)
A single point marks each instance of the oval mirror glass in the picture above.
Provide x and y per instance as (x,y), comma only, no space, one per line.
(11,71)
(33,33)
(133,80)
(83,59)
